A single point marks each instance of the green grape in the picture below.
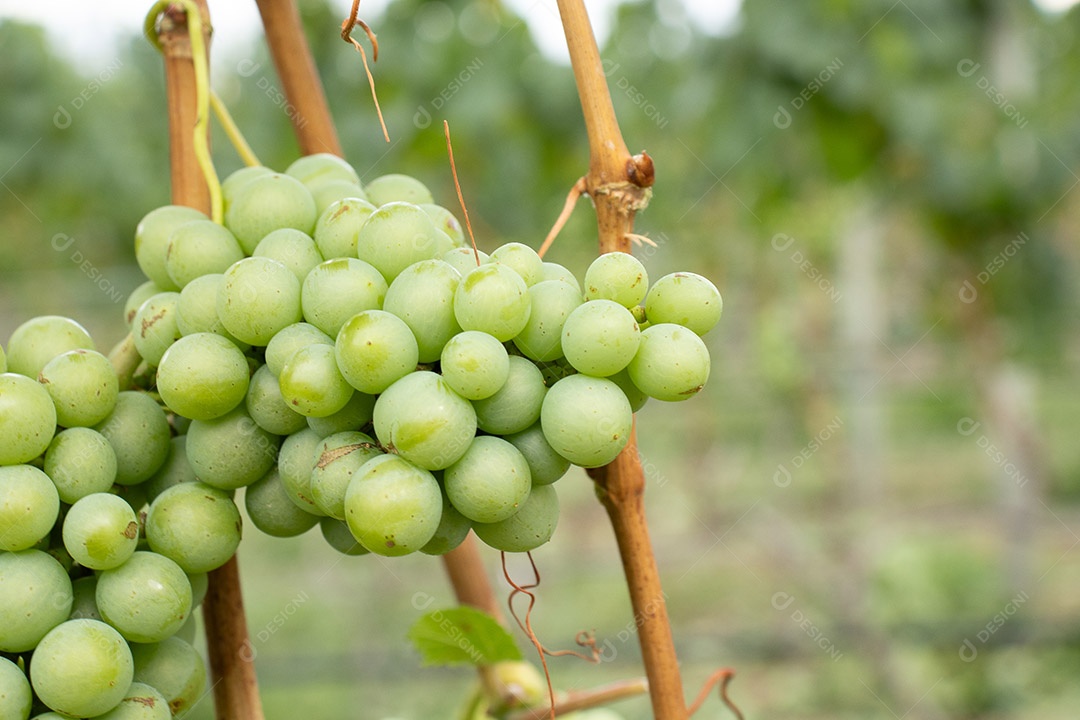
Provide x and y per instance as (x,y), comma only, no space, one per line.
(392,506)
(84,604)
(200,247)
(587,420)
(600,337)
(398,234)
(133,495)
(328,193)
(338,289)
(202,376)
(445,221)
(338,226)
(257,298)
(137,297)
(27,419)
(375,348)
(268,408)
(555,271)
(83,386)
(617,276)
(422,419)
(528,528)
(141,702)
(322,167)
(685,299)
(266,203)
(489,482)
(35,597)
(552,302)
(295,463)
(147,598)
(29,506)
(398,188)
(463,259)
(139,434)
(358,412)
(292,248)
(196,526)
(175,669)
(545,465)
(231,451)
(200,584)
(493,299)
(152,241)
(522,259)
(197,310)
(3,361)
(155,326)
(174,471)
(452,531)
(289,340)
(239,178)
(635,395)
(475,365)
(82,668)
(37,341)
(338,536)
(272,510)
(16,698)
(101,531)
(671,364)
(423,296)
(312,383)
(337,458)
(517,404)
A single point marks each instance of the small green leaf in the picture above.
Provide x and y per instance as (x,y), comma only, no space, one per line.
(462,636)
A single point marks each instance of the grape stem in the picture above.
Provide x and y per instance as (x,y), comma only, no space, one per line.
(239,142)
(584,699)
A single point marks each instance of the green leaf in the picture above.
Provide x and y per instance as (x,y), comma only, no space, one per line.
(462,636)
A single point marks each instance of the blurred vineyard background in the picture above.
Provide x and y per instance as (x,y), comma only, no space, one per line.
(873,511)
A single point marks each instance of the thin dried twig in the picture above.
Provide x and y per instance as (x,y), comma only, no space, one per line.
(457,186)
(579,189)
(347,26)
(722,676)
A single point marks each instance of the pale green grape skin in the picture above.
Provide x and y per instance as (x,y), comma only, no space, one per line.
(266,203)
(3,361)
(197,310)
(475,365)
(156,326)
(396,187)
(200,584)
(82,668)
(84,603)
(139,434)
(272,510)
(27,419)
(312,383)
(321,167)
(633,393)
(392,506)
(445,221)
(257,298)
(686,299)
(295,463)
(141,702)
(374,349)
(231,451)
(489,482)
(422,419)
(174,668)
(293,249)
(555,271)
(16,698)
(338,289)
(83,386)
(398,234)
(339,225)
(423,296)
(517,404)
(493,299)
(522,259)
(328,193)
(672,363)
(147,598)
(463,259)
(200,247)
(545,465)
(101,531)
(338,536)
(34,343)
(617,276)
(528,528)
(337,458)
(239,178)
(196,526)
(452,531)
(358,412)
(600,338)
(202,376)
(137,297)
(29,506)
(552,302)
(268,408)
(175,470)
(289,340)
(35,597)
(152,241)
(587,420)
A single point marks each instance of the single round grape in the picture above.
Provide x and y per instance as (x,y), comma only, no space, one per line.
(422,419)
(295,463)
(139,434)
(147,598)
(600,338)
(197,310)
(493,299)
(633,393)
(374,349)
(202,376)
(137,297)
(522,259)
(338,226)
(231,451)
(84,604)
(268,408)
(16,698)
(463,259)
(337,458)
(35,597)
(37,341)
(312,383)
(489,482)
(545,465)
(322,167)
(395,187)
(423,296)
(101,531)
(392,506)
(338,289)
(27,419)
(338,536)
(555,271)
(272,510)
(174,668)
(239,178)
(200,247)
(452,531)
(328,193)
(196,526)
(617,276)
(671,364)
(294,249)
(200,584)
(83,386)
(587,420)
(141,702)
(475,365)
(358,412)
(445,221)
(267,203)
(685,299)
(528,528)
(175,470)
(156,326)
(82,668)
(398,234)
(152,241)
(517,404)
(29,506)
(552,301)
(289,340)
(257,298)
